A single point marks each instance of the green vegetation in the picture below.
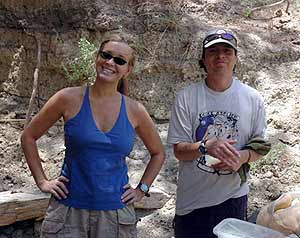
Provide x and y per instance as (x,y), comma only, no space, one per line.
(247,12)
(296,3)
(82,67)
(276,152)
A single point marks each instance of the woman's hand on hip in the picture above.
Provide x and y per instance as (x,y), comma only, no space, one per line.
(57,187)
(131,195)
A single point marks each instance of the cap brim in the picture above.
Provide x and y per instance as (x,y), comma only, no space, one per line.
(220,40)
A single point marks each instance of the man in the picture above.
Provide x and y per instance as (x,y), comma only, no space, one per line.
(211,125)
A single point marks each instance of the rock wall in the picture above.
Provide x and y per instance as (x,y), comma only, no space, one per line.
(167,36)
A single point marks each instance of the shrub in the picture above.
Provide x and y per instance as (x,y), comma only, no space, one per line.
(82,67)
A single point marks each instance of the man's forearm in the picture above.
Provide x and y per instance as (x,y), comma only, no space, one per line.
(187,151)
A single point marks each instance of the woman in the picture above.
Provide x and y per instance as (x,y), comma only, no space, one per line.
(92,197)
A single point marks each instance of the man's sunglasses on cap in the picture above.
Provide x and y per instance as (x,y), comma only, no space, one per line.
(225,36)
(108,56)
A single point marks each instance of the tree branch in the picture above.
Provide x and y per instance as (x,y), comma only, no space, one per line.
(265,7)
(35,79)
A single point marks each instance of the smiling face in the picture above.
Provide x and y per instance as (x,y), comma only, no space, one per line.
(220,58)
(107,69)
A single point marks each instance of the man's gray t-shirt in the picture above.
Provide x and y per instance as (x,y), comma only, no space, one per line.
(200,113)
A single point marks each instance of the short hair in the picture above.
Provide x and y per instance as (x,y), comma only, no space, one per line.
(201,63)
(206,43)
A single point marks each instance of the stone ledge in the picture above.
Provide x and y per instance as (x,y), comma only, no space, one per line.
(22,206)
(16,207)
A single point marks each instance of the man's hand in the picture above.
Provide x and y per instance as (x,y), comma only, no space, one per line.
(223,166)
(224,151)
(57,187)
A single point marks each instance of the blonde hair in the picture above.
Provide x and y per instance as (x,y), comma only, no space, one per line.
(119,36)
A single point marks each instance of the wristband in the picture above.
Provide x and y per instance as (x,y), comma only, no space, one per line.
(202,148)
(249,157)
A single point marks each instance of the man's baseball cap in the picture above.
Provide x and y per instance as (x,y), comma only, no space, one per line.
(219,36)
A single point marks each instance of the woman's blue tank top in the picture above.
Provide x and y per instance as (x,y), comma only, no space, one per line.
(95,161)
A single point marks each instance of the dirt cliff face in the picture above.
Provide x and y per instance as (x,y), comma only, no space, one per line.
(167,36)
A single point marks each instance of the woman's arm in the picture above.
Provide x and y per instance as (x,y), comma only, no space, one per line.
(52,111)
(146,130)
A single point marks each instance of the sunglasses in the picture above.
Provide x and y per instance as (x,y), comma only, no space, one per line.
(226,36)
(107,56)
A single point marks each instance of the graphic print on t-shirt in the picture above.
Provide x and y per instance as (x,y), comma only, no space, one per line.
(220,125)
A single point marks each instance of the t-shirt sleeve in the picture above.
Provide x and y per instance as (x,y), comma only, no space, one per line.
(259,121)
(180,127)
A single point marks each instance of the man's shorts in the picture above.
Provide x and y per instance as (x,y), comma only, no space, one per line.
(66,222)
